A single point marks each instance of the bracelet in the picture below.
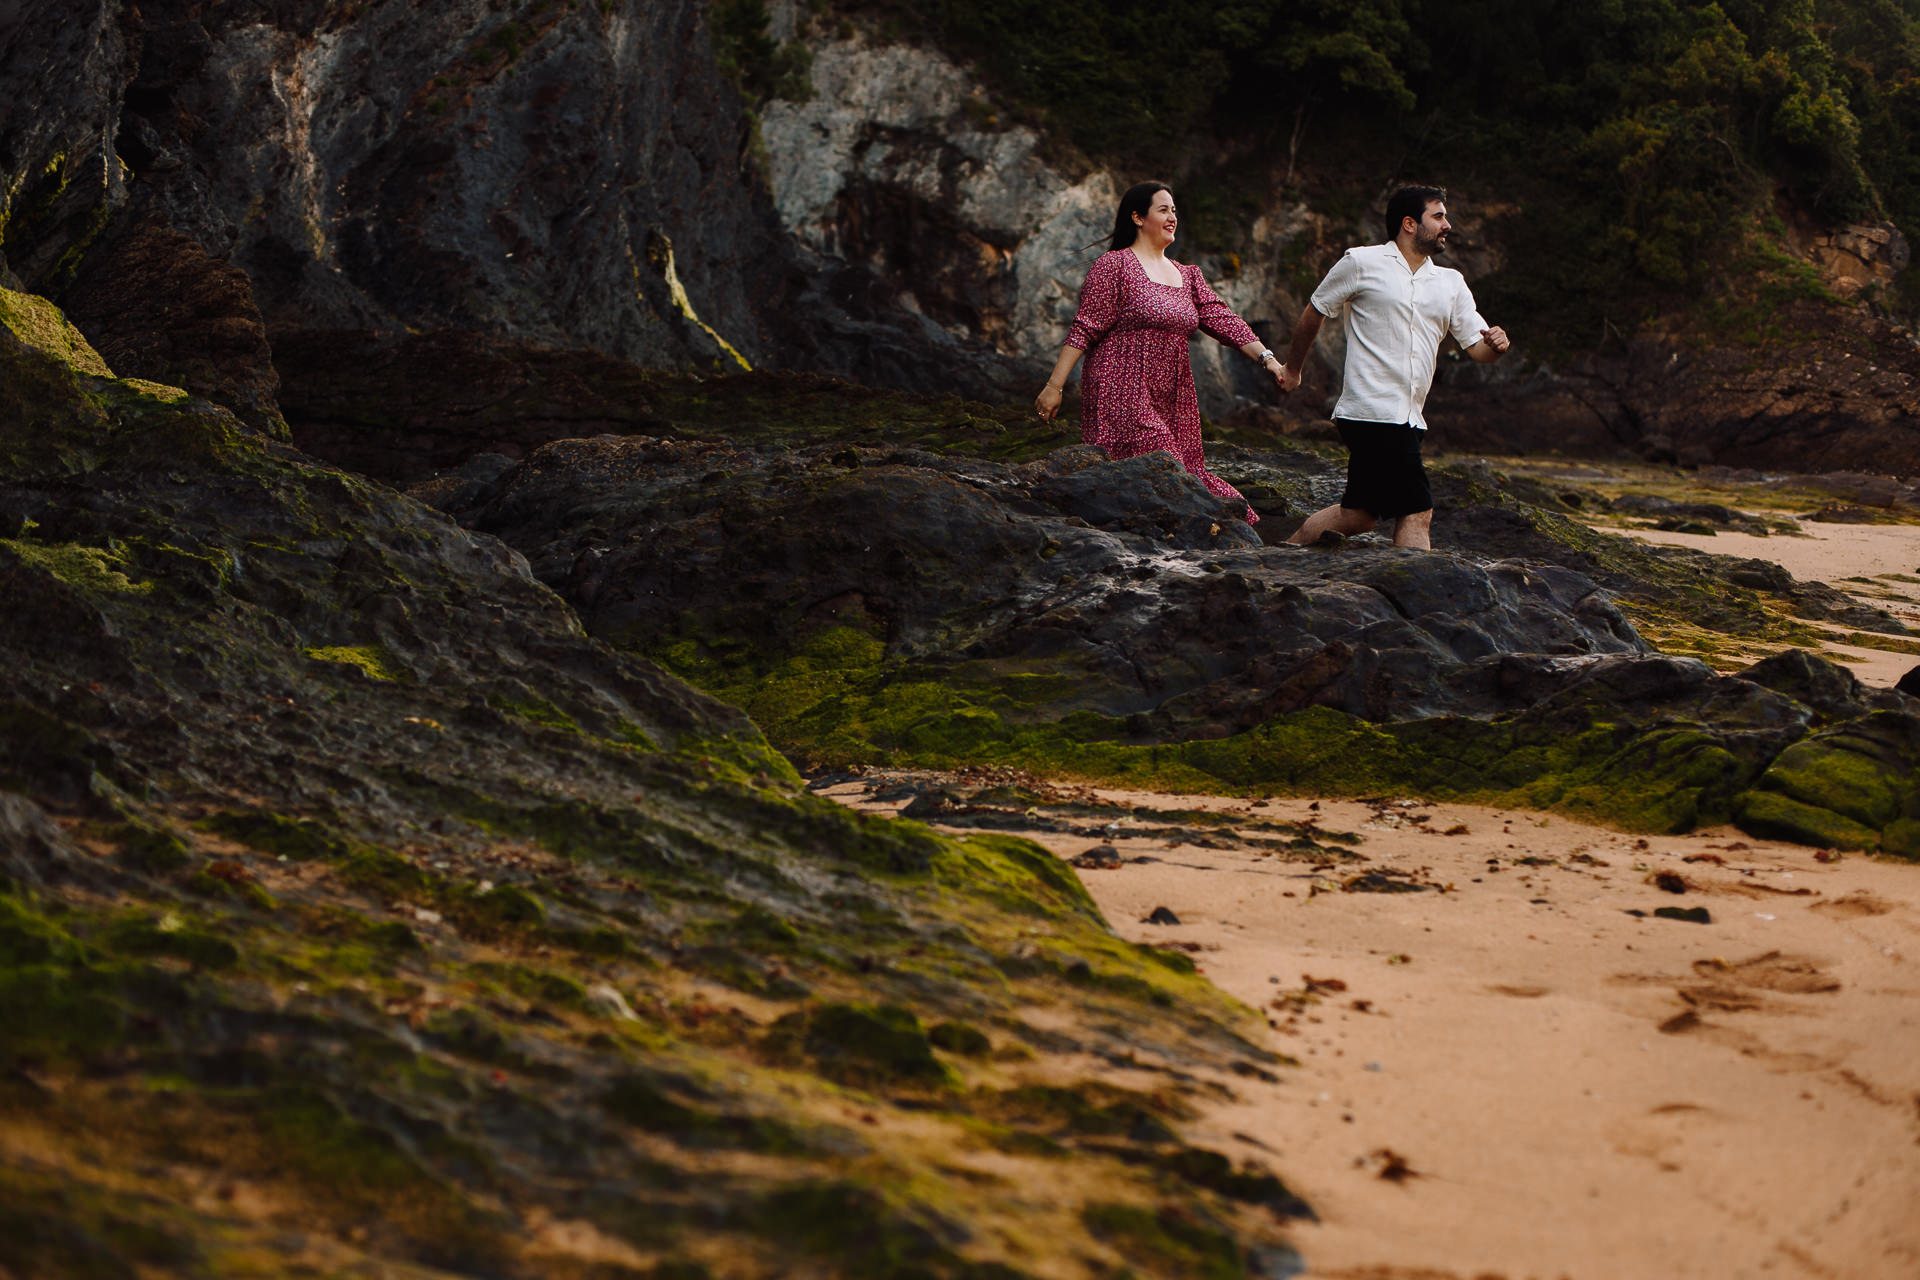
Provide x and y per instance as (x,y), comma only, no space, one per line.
(1265,355)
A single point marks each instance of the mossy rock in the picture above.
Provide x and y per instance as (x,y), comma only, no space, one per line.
(1901,838)
(858,1229)
(391,935)
(169,936)
(1772,816)
(28,938)
(42,325)
(50,1226)
(756,923)
(298,839)
(1090,1109)
(153,850)
(503,907)
(1168,1242)
(1862,772)
(645,1102)
(871,1044)
(962,1038)
(384,873)
(54,1011)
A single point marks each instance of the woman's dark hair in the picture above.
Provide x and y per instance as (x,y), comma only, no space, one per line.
(1139,199)
(1408,202)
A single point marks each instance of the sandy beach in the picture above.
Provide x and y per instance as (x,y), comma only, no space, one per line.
(1877,564)
(1507,1066)
(1512,1068)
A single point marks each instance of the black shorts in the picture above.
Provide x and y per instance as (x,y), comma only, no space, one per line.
(1385,477)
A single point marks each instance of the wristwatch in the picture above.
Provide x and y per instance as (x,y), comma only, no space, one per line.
(1265,355)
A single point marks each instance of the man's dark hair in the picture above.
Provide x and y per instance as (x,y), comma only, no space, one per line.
(1139,199)
(1410,202)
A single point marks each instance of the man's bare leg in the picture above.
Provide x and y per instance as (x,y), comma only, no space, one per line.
(1415,531)
(1342,520)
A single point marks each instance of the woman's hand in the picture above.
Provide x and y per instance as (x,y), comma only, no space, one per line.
(1278,370)
(1047,403)
(1288,377)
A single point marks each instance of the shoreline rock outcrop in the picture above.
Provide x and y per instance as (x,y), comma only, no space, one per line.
(1082,616)
(387,920)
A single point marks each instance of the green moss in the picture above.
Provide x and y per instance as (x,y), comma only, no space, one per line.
(169,935)
(237,889)
(1014,873)
(95,570)
(1089,1109)
(52,1011)
(1168,1242)
(375,662)
(300,839)
(1843,774)
(538,710)
(646,1102)
(364,1169)
(544,986)
(391,935)
(1902,839)
(757,924)
(868,1044)
(1772,816)
(53,1226)
(29,938)
(855,1227)
(149,848)
(504,907)
(388,874)
(1841,787)
(962,1038)
(41,325)
(158,390)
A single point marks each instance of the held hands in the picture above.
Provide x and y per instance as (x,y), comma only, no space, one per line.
(1288,377)
(1047,403)
(1279,372)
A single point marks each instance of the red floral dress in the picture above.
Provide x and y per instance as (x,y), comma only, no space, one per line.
(1136,388)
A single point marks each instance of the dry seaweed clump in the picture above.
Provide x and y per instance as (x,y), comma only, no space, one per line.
(359,913)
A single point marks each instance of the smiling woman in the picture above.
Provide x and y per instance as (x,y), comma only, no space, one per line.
(1138,307)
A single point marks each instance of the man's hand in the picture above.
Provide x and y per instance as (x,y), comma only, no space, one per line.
(1289,378)
(1492,345)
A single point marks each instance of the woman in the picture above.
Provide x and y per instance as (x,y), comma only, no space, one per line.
(1138,307)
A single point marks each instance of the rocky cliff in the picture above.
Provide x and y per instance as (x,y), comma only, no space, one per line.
(571,176)
(360,914)
(257,202)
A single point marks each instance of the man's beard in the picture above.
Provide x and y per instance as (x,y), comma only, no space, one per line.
(1429,247)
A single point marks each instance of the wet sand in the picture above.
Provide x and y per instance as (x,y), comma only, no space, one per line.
(1573,1091)
(1511,1075)
(1506,1074)
(1839,555)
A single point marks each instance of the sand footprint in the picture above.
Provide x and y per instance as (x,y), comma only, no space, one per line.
(1854,906)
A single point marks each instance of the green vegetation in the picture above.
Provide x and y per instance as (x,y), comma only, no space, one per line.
(370,659)
(1646,140)
(40,324)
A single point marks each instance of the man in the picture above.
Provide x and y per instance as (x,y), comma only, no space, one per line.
(1400,304)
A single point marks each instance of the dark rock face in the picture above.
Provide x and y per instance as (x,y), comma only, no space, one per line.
(337,860)
(157,307)
(1126,573)
(576,177)
(1076,613)
(400,407)
(1844,397)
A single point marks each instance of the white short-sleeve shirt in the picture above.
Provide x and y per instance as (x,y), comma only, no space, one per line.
(1396,318)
